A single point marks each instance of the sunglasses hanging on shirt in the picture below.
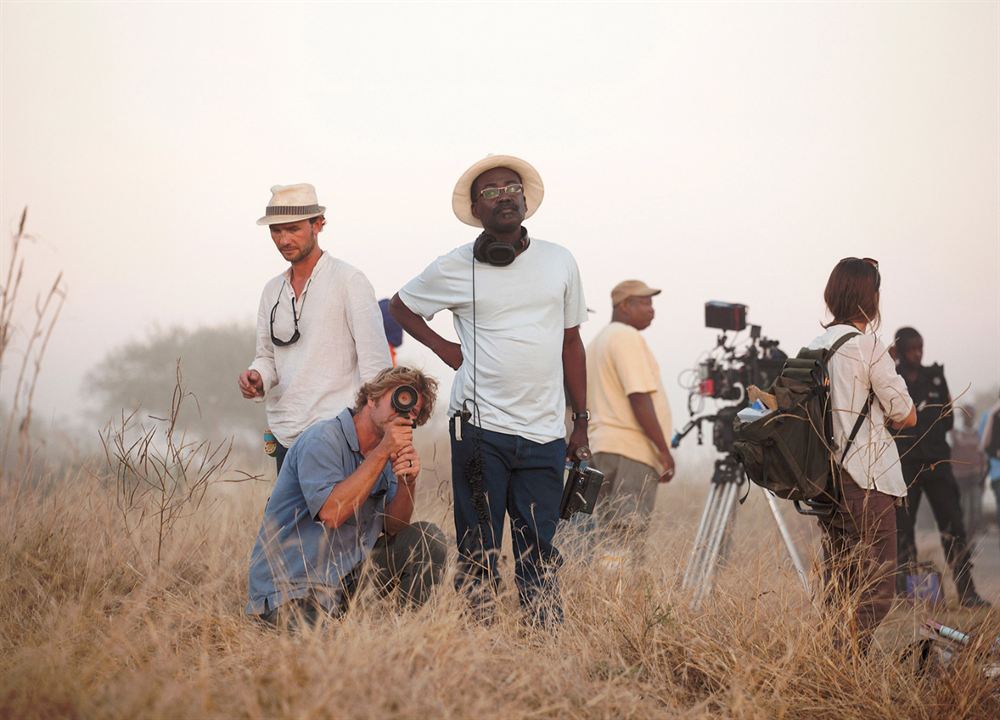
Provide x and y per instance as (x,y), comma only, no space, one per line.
(295,319)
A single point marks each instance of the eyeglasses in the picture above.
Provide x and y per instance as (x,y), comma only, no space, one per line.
(295,319)
(495,192)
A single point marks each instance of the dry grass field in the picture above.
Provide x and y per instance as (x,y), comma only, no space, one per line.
(91,627)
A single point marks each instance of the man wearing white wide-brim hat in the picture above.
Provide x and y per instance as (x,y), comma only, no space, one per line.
(319,327)
(517,304)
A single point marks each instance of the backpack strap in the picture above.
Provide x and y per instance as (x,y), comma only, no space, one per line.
(857,424)
(868,403)
(836,346)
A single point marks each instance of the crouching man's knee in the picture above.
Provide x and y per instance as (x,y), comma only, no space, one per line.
(422,550)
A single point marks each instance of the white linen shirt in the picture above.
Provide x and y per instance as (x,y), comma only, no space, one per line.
(341,345)
(862,363)
(521,313)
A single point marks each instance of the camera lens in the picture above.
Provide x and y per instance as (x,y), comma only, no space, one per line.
(404,398)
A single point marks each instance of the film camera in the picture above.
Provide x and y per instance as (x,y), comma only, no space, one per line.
(729,369)
(404,399)
(583,483)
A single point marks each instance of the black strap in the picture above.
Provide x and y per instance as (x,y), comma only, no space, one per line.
(836,346)
(857,424)
(868,403)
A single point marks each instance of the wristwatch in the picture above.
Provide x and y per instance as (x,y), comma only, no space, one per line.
(585,415)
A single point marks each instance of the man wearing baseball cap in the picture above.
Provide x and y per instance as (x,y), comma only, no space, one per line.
(517,304)
(631,418)
(319,328)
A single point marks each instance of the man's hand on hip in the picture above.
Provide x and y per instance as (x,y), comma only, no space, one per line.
(451,354)
(251,384)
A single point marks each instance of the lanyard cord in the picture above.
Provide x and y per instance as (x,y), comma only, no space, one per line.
(474,467)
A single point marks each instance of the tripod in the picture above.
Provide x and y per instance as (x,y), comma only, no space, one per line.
(727,480)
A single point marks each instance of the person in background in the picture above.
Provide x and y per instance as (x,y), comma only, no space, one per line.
(989,432)
(393,330)
(859,538)
(926,462)
(631,419)
(319,330)
(969,464)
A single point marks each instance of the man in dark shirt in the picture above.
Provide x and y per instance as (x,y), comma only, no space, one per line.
(925,457)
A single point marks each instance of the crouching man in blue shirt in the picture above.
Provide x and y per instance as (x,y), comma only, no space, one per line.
(345,496)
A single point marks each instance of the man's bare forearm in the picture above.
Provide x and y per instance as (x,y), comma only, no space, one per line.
(400,510)
(417,328)
(348,495)
(574,360)
(645,415)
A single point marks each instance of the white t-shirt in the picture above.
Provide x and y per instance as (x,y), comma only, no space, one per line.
(341,345)
(862,363)
(521,313)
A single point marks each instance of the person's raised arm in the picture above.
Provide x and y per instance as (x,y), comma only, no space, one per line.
(890,389)
(351,492)
(574,362)
(406,467)
(419,330)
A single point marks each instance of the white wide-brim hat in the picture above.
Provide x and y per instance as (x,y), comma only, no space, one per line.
(290,203)
(461,198)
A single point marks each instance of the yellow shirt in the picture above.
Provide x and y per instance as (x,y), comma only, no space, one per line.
(619,363)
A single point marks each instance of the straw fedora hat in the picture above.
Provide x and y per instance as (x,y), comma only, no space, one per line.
(461,198)
(290,203)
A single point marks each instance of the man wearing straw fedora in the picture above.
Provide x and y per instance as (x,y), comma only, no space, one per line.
(517,304)
(319,328)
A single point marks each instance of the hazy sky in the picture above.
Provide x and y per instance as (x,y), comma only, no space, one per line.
(722,151)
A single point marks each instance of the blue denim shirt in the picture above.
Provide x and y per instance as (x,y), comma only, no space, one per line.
(296,555)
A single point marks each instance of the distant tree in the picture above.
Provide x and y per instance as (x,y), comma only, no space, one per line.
(143,373)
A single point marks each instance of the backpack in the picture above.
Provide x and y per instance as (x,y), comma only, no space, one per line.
(790,450)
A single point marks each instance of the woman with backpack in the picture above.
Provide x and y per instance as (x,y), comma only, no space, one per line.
(868,399)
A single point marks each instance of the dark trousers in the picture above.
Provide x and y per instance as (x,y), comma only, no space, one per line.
(279,457)
(522,479)
(859,559)
(938,483)
(411,562)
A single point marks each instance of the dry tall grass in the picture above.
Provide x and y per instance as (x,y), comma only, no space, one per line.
(91,627)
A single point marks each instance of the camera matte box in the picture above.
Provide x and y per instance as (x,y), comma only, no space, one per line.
(725,316)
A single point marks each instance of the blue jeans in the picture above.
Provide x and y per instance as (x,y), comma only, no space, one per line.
(523,479)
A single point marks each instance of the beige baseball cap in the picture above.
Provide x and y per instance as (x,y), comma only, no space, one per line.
(631,288)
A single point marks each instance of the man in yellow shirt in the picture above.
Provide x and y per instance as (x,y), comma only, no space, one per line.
(630,419)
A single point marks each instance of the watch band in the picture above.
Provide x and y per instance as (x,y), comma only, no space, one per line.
(585,415)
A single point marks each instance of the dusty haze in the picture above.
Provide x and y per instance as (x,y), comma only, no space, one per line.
(720,152)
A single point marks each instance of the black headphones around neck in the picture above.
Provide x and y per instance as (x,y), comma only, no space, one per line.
(487,249)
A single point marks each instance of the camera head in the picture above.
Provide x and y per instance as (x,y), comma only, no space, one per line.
(731,367)
(404,399)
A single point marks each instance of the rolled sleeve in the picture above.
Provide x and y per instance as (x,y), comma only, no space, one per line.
(320,468)
(263,361)
(889,386)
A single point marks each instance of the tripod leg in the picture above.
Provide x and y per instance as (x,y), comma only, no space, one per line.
(698,548)
(728,501)
(787,537)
